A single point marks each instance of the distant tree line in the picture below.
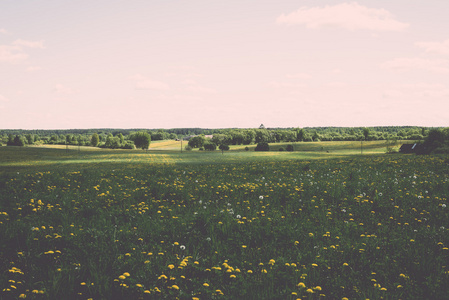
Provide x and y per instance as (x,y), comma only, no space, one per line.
(129,139)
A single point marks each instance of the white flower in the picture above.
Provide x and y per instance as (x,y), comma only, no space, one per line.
(238,216)
(208,239)
(182,247)
(444,205)
(261,197)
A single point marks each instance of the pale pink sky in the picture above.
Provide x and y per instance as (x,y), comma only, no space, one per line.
(215,64)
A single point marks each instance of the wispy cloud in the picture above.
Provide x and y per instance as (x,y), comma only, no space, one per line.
(417,63)
(421,89)
(193,86)
(145,83)
(337,84)
(61,89)
(12,54)
(200,89)
(435,47)
(33,68)
(349,16)
(15,52)
(3,99)
(3,31)
(278,84)
(29,44)
(299,76)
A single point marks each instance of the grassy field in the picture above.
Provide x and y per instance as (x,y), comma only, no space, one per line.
(309,224)
(168,152)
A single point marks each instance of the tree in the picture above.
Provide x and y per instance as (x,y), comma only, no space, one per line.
(19,141)
(30,139)
(141,139)
(209,146)
(10,141)
(224,147)
(262,147)
(95,140)
(121,138)
(366,133)
(197,141)
(391,144)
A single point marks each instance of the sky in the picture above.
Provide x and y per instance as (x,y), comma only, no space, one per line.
(221,64)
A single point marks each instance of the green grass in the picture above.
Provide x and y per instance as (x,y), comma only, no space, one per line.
(166,152)
(114,224)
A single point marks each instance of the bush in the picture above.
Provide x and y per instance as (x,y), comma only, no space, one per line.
(281,149)
(262,147)
(201,149)
(223,147)
(290,148)
(210,146)
(129,145)
(246,148)
(188,148)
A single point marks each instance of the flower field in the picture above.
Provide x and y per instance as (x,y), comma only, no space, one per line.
(373,227)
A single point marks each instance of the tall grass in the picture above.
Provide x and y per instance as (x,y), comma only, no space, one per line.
(362,227)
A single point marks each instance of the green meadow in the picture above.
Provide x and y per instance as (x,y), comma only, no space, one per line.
(321,222)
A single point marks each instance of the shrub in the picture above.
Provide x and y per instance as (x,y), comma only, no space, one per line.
(290,148)
(210,146)
(246,148)
(188,148)
(262,147)
(281,149)
(129,145)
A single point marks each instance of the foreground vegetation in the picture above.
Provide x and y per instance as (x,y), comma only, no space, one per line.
(195,225)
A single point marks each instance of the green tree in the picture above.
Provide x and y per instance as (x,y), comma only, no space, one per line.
(366,133)
(95,140)
(29,139)
(141,139)
(197,141)
(121,138)
(210,146)
(263,146)
(224,147)
(19,141)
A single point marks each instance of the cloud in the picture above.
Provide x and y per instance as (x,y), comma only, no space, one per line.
(277,84)
(350,16)
(3,31)
(144,83)
(61,89)
(299,76)
(435,47)
(193,86)
(12,54)
(33,68)
(3,99)
(423,89)
(200,89)
(337,84)
(406,64)
(29,44)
